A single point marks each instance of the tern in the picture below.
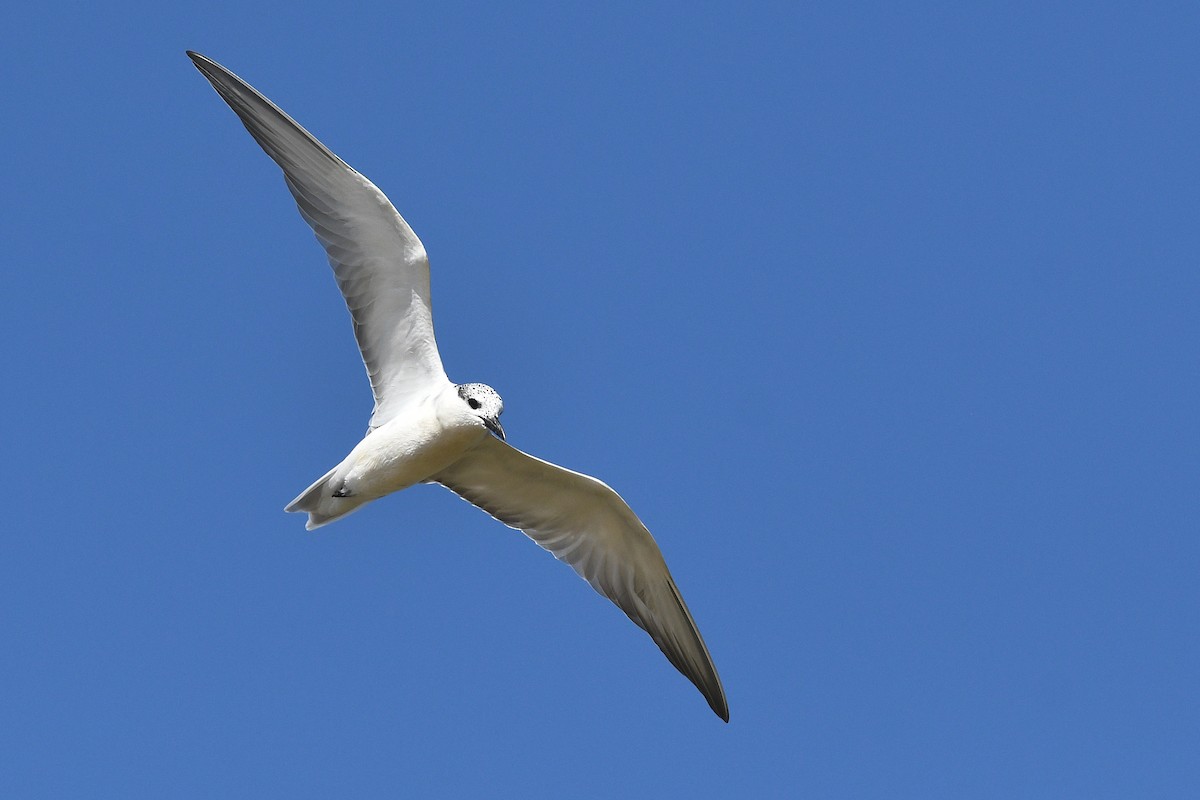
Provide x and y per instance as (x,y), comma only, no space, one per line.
(426,429)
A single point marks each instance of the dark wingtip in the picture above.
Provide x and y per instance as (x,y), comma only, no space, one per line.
(202,63)
(206,65)
(716,701)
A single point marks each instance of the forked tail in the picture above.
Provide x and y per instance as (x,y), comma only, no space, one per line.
(319,502)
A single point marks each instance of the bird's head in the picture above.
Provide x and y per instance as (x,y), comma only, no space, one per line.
(484,403)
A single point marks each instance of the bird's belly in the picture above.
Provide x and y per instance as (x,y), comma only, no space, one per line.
(385,462)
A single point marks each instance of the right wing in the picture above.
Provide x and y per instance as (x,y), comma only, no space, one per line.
(586,524)
(379,263)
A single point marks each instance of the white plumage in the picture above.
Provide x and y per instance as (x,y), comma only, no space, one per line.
(425,428)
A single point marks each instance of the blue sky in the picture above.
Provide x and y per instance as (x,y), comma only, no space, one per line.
(884,320)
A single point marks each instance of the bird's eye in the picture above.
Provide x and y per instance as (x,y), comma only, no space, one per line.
(472,402)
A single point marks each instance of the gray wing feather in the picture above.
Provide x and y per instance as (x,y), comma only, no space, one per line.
(379,263)
(586,524)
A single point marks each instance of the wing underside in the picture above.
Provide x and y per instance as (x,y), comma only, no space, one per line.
(379,263)
(586,524)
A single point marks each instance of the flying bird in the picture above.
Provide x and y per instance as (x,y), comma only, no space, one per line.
(426,429)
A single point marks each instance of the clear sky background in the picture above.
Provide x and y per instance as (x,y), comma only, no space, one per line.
(883,318)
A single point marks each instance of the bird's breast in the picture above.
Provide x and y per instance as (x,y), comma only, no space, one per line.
(397,456)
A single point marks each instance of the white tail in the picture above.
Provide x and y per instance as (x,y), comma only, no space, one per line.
(319,503)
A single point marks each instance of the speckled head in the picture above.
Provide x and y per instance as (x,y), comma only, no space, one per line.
(484,403)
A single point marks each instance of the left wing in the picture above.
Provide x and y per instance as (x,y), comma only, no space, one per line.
(586,524)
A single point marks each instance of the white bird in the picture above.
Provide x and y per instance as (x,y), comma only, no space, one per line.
(425,429)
